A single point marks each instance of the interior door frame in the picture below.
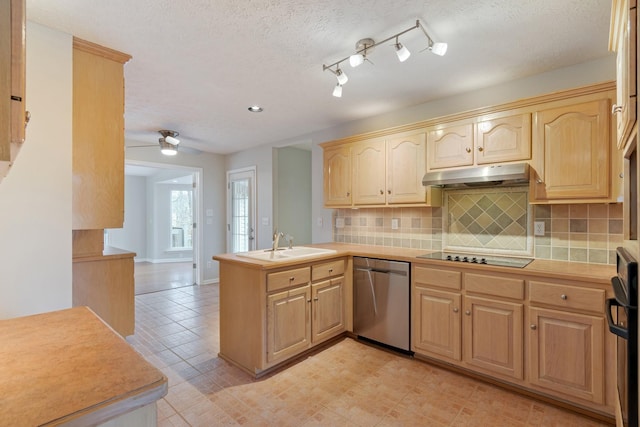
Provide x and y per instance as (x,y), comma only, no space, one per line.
(253,208)
(197,212)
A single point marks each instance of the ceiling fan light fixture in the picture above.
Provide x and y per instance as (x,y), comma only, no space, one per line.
(167,148)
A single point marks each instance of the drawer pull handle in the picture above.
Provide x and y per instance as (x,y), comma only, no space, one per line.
(331,270)
(616,108)
(533,327)
(455,309)
(291,279)
(315,299)
(563,296)
(468,312)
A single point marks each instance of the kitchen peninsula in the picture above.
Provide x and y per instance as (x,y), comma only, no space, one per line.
(547,319)
(68,367)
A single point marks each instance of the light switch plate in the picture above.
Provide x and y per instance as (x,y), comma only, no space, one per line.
(538,228)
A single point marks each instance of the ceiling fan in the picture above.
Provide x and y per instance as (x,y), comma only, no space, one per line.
(169,144)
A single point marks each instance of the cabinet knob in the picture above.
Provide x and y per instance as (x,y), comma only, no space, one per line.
(616,108)
(533,327)
(331,270)
(455,309)
(291,279)
(539,181)
(468,150)
(621,175)
(389,191)
(315,299)
(27,117)
(468,312)
(480,149)
(381,192)
(348,194)
(563,296)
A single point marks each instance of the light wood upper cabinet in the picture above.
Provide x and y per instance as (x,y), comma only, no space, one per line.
(369,177)
(450,145)
(623,40)
(567,353)
(98,136)
(503,139)
(337,176)
(383,171)
(13,117)
(406,165)
(573,152)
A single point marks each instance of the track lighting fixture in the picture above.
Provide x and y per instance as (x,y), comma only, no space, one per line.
(366,45)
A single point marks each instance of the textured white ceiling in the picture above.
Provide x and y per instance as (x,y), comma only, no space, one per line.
(198,64)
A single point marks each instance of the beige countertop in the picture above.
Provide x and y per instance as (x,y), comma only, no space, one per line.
(69,366)
(597,273)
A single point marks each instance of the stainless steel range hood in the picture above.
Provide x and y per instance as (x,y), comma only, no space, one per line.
(485,176)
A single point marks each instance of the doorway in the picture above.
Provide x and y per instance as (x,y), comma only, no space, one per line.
(161,215)
(241,210)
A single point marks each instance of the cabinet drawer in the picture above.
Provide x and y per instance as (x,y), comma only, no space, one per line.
(327,269)
(436,277)
(285,279)
(494,285)
(564,296)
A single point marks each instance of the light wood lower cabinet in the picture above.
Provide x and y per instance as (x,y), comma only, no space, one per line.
(269,316)
(493,336)
(436,322)
(567,353)
(547,336)
(288,323)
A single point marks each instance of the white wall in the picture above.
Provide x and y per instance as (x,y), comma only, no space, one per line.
(292,212)
(133,235)
(35,219)
(214,194)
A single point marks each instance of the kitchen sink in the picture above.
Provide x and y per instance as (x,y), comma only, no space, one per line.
(285,254)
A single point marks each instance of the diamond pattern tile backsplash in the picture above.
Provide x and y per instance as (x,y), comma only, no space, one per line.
(488,221)
(501,222)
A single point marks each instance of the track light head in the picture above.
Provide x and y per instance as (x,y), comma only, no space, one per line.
(402,51)
(337,91)
(356,59)
(341,76)
(438,48)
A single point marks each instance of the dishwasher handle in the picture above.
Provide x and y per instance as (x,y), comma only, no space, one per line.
(382,271)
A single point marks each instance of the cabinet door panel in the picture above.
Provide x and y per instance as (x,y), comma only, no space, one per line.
(436,322)
(328,309)
(337,176)
(406,162)
(450,145)
(369,177)
(575,144)
(493,336)
(504,139)
(288,323)
(567,353)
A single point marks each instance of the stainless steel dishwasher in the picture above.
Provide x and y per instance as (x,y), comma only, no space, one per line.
(381,304)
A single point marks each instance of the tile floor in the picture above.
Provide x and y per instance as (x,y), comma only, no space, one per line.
(348,384)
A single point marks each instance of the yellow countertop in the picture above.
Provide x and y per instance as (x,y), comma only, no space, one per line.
(68,365)
(597,273)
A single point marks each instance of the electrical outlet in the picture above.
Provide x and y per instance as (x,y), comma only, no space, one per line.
(394,223)
(538,228)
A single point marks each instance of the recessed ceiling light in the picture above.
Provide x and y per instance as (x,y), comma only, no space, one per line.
(255,109)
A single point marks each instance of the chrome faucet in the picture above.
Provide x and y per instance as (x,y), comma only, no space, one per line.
(276,239)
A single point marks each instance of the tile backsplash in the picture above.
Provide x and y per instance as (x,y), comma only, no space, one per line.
(502,221)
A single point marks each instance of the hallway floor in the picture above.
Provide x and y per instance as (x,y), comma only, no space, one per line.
(348,384)
(154,277)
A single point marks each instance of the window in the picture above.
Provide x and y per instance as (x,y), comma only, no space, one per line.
(181,219)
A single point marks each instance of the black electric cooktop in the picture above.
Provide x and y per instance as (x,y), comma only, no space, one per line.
(502,261)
